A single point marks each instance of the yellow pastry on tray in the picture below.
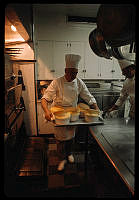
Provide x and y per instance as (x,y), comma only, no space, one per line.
(62,117)
(56,109)
(91,115)
(83,107)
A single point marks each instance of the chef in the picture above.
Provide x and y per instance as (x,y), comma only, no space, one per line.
(64,91)
(128,90)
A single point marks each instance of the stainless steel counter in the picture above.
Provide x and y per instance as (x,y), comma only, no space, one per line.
(117,139)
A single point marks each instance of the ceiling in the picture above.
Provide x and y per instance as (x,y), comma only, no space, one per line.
(83,10)
(10,35)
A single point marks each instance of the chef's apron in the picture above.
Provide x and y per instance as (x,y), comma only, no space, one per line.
(70,97)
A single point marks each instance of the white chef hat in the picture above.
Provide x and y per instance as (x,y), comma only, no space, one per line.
(72,60)
(124,63)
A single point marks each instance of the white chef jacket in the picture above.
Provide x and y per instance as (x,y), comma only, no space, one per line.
(63,93)
(128,90)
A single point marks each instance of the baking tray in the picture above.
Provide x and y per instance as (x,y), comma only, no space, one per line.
(81,122)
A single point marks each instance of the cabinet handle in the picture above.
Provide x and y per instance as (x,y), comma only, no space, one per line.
(52,70)
(112,71)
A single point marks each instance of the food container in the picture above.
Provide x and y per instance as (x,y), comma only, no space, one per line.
(91,115)
(83,108)
(74,116)
(74,111)
(62,118)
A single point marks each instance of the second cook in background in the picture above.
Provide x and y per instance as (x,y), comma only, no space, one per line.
(128,90)
(64,91)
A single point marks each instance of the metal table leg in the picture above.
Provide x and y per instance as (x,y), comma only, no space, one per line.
(86,154)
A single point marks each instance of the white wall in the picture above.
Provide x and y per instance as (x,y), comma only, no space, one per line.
(55,27)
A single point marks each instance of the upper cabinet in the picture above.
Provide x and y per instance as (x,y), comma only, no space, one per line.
(50,57)
(91,67)
(55,37)
(109,69)
(61,48)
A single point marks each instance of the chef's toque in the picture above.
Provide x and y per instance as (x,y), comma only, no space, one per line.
(72,60)
(124,63)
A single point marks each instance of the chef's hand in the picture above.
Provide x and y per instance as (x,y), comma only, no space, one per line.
(94,106)
(48,115)
(110,112)
(114,107)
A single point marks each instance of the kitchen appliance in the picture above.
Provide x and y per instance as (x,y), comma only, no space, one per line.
(14,107)
(14,103)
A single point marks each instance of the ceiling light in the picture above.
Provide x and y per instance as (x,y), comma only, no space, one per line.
(13,28)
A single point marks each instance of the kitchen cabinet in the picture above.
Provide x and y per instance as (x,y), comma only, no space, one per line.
(105,68)
(63,47)
(51,61)
(109,69)
(91,63)
(51,58)
(96,67)
(116,71)
(44,127)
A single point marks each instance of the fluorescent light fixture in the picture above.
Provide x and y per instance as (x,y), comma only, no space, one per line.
(13,28)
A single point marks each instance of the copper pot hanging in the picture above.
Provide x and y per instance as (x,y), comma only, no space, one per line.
(97,44)
(117,23)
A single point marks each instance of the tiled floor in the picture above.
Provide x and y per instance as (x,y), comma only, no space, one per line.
(73,174)
(38,176)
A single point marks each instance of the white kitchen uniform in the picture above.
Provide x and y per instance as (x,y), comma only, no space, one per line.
(63,93)
(128,90)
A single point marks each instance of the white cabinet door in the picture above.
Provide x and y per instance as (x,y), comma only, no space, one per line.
(78,48)
(117,72)
(44,55)
(109,69)
(106,67)
(44,127)
(91,63)
(61,48)
(51,61)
